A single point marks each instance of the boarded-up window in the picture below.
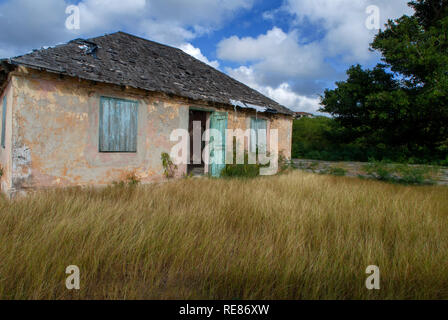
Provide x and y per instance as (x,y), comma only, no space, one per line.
(4,123)
(258,135)
(118,125)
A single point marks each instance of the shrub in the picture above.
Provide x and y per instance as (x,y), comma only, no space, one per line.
(132,179)
(168,166)
(309,133)
(323,138)
(313,166)
(187,175)
(416,174)
(444,162)
(241,171)
(284,164)
(378,170)
(245,170)
(401,173)
(336,171)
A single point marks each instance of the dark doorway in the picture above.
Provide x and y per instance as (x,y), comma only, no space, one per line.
(199,116)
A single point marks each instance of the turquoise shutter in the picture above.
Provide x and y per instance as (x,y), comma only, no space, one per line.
(258,137)
(253,135)
(118,125)
(262,135)
(4,123)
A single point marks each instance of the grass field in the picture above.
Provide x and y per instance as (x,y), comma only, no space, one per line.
(294,236)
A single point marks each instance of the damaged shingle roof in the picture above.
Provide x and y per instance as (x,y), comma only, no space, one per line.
(124,59)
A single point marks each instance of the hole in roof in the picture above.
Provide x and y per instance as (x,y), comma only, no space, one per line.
(88,47)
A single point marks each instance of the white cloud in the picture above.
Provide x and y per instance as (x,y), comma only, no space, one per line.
(27,24)
(283,93)
(171,34)
(243,74)
(30,24)
(206,13)
(169,21)
(344,23)
(196,52)
(276,56)
(105,14)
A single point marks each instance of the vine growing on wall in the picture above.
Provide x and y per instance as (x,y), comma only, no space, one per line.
(168,166)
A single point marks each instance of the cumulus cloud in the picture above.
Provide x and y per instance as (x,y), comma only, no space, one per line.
(276,56)
(208,14)
(344,23)
(278,65)
(282,93)
(31,24)
(168,21)
(102,15)
(172,34)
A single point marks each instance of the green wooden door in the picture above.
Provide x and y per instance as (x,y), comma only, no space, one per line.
(218,121)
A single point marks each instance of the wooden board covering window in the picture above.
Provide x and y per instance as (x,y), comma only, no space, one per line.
(118,125)
(258,137)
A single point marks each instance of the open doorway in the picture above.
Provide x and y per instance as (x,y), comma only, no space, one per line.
(195,168)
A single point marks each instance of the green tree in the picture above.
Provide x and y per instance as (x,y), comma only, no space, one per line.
(405,108)
(429,13)
(311,135)
(368,106)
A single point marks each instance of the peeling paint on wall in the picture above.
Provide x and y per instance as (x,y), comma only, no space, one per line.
(21,157)
(21,166)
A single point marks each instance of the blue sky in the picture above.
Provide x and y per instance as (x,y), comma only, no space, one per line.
(290,50)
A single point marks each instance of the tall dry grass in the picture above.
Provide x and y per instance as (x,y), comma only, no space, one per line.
(295,236)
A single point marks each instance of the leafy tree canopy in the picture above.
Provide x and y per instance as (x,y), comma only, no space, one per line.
(403,102)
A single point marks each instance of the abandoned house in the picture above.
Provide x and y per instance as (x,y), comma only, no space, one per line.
(90,112)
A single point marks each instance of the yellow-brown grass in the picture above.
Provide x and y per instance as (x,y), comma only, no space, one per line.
(294,236)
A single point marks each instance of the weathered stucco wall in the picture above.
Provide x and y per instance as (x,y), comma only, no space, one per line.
(55,123)
(284,126)
(241,120)
(5,153)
